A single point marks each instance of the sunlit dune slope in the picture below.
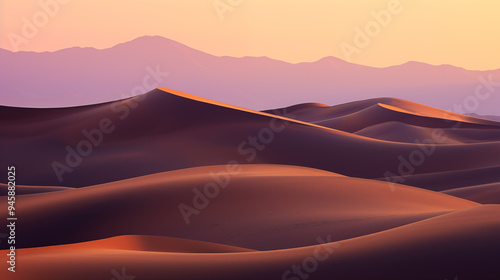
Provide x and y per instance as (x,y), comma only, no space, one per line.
(261,207)
(463,243)
(166,130)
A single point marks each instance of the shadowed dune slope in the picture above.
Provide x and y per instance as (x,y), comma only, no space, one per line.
(371,118)
(31,189)
(262,207)
(166,130)
(401,132)
(141,243)
(441,181)
(485,194)
(438,248)
(387,108)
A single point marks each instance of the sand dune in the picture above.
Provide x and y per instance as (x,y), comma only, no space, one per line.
(486,194)
(168,185)
(355,116)
(401,132)
(167,130)
(440,181)
(443,247)
(299,204)
(31,189)
(140,243)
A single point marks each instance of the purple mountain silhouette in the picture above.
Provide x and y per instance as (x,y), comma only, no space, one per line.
(80,76)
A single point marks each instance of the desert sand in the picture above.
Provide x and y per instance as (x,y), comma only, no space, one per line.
(173,186)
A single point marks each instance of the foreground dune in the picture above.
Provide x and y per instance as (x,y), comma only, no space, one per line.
(140,243)
(461,244)
(31,189)
(262,207)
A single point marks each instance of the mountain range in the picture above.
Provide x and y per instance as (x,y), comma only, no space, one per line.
(81,76)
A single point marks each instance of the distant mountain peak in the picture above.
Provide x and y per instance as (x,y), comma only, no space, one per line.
(332,60)
(78,76)
(150,40)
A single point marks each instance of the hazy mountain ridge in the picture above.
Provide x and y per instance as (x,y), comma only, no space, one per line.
(79,76)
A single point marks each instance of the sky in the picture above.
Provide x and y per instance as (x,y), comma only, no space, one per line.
(380,33)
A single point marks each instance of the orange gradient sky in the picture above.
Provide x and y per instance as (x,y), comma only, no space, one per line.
(464,33)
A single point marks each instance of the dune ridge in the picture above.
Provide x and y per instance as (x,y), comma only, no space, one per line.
(163,131)
(175,186)
(446,245)
(329,204)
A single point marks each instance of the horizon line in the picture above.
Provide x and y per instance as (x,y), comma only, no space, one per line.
(262,57)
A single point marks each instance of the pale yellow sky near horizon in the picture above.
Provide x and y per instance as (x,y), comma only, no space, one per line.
(463,33)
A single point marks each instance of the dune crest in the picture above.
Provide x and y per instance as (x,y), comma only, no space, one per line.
(162,131)
(169,185)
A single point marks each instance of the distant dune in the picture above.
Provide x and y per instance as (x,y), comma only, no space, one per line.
(355,116)
(487,193)
(169,185)
(489,117)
